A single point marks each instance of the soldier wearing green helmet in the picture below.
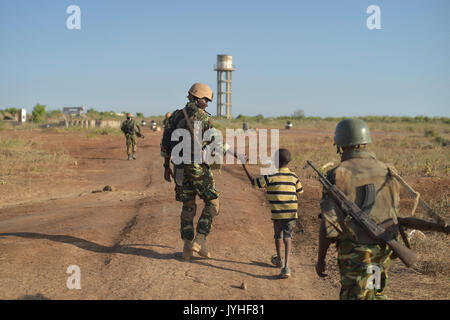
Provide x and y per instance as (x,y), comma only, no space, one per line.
(352,132)
(361,259)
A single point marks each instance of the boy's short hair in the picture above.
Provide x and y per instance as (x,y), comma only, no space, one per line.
(284,156)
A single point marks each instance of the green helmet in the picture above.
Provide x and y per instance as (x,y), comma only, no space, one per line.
(351,132)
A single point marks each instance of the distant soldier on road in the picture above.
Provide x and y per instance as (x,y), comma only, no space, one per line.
(192,179)
(360,257)
(131,130)
(244,125)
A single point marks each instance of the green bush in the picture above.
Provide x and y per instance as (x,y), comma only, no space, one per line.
(13,111)
(38,113)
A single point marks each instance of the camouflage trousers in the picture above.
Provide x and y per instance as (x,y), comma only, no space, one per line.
(364,270)
(131,140)
(197,180)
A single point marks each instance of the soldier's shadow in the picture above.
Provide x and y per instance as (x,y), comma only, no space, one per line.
(143,252)
(95,247)
(258,276)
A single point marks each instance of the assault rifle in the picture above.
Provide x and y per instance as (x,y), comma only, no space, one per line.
(362,218)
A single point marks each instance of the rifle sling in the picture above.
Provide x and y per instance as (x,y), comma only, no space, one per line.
(188,121)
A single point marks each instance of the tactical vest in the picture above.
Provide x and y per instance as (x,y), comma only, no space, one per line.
(129,127)
(357,170)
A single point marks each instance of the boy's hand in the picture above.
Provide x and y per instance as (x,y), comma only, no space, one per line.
(320,268)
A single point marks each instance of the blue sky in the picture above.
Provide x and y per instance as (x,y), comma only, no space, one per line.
(142,56)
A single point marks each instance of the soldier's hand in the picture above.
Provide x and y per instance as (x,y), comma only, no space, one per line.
(167,174)
(320,268)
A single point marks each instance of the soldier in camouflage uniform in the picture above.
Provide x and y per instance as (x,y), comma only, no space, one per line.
(358,254)
(192,179)
(130,129)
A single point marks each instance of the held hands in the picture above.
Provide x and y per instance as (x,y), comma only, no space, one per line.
(241,157)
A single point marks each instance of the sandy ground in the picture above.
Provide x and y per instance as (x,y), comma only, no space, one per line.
(127,243)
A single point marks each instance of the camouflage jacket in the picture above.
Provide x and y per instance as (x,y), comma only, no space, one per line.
(359,168)
(130,127)
(178,121)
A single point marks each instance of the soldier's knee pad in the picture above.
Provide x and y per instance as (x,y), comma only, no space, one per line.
(189,210)
(212,207)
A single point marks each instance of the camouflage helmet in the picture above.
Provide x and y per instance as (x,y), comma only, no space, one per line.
(129,115)
(200,90)
(351,132)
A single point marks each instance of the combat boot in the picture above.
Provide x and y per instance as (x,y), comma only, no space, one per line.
(199,246)
(187,250)
(129,157)
(134,156)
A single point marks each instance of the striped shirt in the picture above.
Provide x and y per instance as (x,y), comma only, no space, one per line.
(281,189)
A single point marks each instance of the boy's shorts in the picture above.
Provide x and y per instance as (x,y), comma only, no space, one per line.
(284,228)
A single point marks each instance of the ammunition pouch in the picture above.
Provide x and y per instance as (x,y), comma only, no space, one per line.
(179,175)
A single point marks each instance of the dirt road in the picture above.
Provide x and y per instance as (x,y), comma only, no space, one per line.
(127,243)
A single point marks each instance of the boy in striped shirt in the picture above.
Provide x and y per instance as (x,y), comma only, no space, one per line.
(282,189)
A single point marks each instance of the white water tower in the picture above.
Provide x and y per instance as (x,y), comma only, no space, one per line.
(224,69)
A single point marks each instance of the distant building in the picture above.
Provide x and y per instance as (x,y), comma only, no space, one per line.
(22,117)
(73,111)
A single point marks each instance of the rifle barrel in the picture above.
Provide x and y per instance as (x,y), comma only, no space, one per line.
(324,181)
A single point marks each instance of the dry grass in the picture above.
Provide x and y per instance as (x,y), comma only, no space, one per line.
(432,250)
(90,133)
(20,158)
